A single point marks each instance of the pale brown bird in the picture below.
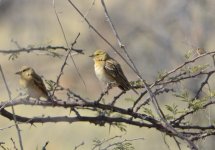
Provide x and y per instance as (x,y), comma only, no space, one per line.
(200,51)
(109,71)
(30,80)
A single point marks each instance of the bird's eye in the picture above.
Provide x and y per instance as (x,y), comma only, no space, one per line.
(25,70)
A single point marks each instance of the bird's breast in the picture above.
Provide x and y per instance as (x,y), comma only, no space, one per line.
(101,73)
(34,91)
(23,83)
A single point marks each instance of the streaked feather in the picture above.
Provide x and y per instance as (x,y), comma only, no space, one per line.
(114,70)
(39,83)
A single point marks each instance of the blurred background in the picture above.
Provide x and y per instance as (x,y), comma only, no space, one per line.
(157,34)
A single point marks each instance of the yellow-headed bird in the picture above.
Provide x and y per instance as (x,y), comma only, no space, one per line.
(109,71)
(30,80)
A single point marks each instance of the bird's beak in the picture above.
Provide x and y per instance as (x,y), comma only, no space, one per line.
(91,55)
(18,73)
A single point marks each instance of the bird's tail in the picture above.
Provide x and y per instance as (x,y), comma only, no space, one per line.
(127,87)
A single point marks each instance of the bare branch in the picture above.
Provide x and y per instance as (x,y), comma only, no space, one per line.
(43,49)
(81,144)
(44,147)
(14,116)
(72,45)
(117,37)
(14,144)
(63,66)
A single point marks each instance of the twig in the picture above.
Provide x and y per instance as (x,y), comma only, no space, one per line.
(14,144)
(105,141)
(76,147)
(203,135)
(42,48)
(117,97)
(180,118)
(177,143)
(203,84)
(1,145)
(63,66)
(102,95)
(165,142)
(121,142)
(138,99)
(44,147)
(76,112)
(181,66)
(90,8)
(157,92)
(72,45)
(117,37)
(13,111)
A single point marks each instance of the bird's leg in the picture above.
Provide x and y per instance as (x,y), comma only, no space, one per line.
(38,101)
(30,98)
(108,87)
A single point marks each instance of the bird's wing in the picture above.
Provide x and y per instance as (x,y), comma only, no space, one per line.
(39,83)
(114,69)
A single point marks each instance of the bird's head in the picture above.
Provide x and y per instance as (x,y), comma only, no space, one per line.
(25,72)
(100,55)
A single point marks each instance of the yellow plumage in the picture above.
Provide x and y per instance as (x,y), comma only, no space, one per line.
(109,70)
(32,82)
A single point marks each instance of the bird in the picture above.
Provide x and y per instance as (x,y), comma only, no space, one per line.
(109,71)
(200,51)
(30,80)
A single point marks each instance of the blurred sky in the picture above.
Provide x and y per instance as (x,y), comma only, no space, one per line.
(157,34)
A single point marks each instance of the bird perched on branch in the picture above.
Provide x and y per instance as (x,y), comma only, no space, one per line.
(30,80)
(201,51)
(109,71)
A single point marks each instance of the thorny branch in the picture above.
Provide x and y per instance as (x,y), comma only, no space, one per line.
(72,45)
(43,49)
(117,37)
(44,147)
(81,144)
(63,66)
(139,119)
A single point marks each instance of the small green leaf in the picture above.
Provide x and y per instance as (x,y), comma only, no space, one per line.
(184,96)
(173,109)
(148,111)
(197,104)
(160,74)
(120,126)
(188,54)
